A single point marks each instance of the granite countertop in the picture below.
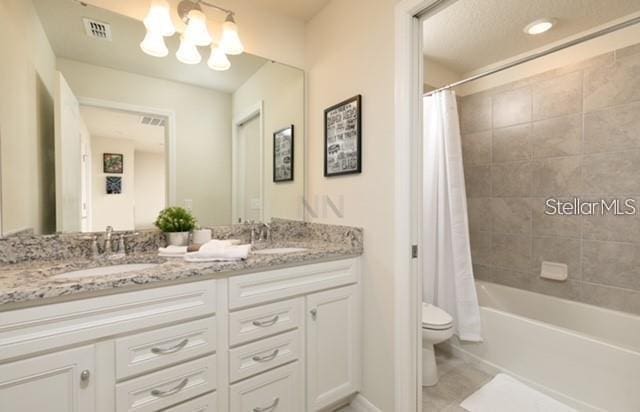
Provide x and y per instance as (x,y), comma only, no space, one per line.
(33,283)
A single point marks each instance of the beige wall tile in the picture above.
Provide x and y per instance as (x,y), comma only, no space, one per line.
(511,143)
(480,248)
(612,263)
(613,129)
(613,84)
(511,251)
(559,176)
(476,148)
(512,107)
(546,225)
(558,250)
(475,113)
(511,179)
(558,96)
(559,136)
(610,297)
(478,181)
(511,215)
(612,173)
(614,228)
(480,217)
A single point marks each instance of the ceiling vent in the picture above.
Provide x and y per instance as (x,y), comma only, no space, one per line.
(97,29)
(152,121)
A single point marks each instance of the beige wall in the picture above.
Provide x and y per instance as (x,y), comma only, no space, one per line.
(203,130)
(349,51)
(112,210)
(149,178)
(281,89)
(264,32)
(27,75)
(437,75)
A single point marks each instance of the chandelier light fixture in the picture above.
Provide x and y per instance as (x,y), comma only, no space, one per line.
(196,34)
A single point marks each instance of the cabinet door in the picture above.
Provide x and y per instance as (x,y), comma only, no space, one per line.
(58,382)
(333,346)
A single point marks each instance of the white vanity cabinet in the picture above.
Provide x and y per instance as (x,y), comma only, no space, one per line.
(285,340)
(56,382)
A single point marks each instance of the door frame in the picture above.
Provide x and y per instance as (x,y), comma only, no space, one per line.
(239,118)
(408,76)
(169,131)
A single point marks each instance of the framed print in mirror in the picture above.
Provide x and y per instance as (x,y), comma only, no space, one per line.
(114,185)
(343,137)
(113,163)
(283,155)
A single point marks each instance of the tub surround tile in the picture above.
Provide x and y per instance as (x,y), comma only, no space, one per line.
(511,251)
(612,85)
(481,247)
(558,176)
(612,263)
(628,51)
(613,129)
(559,136)
(553,225)
(30,279)
(611,173)
(610,227)
(626,300)
(512,107)
(511,215)
(475,113)
(478,181)
(511,179)
(558,96)
(476,148)
(480,216)
(511,143)
(557,250)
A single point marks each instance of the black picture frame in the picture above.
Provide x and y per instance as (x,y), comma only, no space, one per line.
(282,173)
(339,139)
(113,163)
(113,185)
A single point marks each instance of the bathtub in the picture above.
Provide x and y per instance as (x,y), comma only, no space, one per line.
(585,356)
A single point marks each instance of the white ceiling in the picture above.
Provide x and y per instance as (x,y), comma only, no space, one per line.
(470,34)
(62,22)
(299,9)
(123,125)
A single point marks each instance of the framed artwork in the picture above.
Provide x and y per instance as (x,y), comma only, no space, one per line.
(113,163)
(114,185)
(343,138)
(283,155)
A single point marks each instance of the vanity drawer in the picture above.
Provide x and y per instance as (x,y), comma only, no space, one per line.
(253,289)
(162,347)
(42,328)
(204,403)
(167,387)
(256,323)
(262,355)
(279,390)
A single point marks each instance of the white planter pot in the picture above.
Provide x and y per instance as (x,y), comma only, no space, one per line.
(177,238)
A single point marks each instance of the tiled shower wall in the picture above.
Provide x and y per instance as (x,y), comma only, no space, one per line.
(570,132)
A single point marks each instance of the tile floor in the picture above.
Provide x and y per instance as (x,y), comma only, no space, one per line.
(457,381)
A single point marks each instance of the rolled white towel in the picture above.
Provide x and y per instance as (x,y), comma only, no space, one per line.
(219,254)
(172,251)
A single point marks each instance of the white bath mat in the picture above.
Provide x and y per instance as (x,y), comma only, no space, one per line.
(505,394)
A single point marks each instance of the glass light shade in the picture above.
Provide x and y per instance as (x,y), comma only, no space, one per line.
(218,60)
(153,44)
(188,52)
(196,31)
(158,19)
(230,42)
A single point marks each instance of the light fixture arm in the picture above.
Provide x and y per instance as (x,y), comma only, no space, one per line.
(186,6)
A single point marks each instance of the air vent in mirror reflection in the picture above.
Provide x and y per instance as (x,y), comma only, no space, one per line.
(152,121)
(97,29)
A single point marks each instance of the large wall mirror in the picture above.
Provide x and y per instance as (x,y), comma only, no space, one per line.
(94,132)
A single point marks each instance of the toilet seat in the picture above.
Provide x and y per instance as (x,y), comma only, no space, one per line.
(434,318)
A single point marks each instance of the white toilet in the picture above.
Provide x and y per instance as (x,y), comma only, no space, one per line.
(437,326)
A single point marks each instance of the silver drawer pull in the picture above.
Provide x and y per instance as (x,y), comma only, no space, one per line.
(266,323)
(173,349)
(267,408)
(266,358)
(164,394)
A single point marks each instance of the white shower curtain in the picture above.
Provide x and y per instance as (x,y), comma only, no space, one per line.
(448,272)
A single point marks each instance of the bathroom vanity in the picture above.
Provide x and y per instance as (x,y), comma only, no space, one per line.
(277,330)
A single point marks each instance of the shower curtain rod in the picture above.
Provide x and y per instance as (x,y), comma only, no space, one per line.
(554,49)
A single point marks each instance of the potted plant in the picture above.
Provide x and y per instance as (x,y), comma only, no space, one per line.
(176,223)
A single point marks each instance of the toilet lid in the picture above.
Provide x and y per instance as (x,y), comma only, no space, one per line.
(435,318)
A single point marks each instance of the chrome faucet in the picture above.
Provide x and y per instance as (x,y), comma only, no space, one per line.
(108,233)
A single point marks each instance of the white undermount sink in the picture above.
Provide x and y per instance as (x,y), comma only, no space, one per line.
(105,270)
(279,250)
